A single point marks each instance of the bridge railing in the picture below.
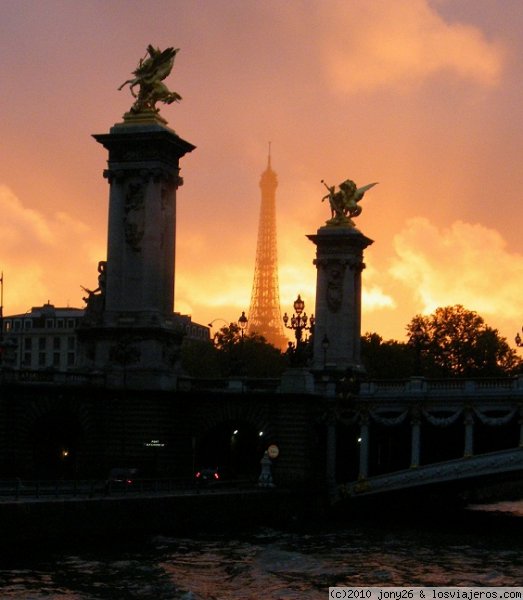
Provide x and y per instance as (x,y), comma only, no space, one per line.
(438,387)
(49,489)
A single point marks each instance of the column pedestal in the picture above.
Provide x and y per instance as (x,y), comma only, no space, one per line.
(136,337)
(339,263)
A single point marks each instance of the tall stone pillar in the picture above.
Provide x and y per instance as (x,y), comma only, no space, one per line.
(339,263)
(143,175)
(137,337)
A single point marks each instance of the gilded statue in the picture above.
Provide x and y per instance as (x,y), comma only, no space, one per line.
(152,69)
(344,202)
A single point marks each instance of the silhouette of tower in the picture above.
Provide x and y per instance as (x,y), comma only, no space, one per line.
(264,313)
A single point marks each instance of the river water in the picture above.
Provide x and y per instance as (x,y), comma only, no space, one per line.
(476,548)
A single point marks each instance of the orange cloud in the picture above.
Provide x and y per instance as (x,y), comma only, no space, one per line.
(465,264)
(381,44)
(44,258)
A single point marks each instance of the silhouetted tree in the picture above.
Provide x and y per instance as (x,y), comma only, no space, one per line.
(454,341)
(232,354)
(386,359)
(200,359)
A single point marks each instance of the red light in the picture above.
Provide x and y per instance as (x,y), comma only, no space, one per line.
(216,476)
(129,481)
(198,475)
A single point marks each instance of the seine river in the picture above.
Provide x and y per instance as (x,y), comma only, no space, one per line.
(477,548)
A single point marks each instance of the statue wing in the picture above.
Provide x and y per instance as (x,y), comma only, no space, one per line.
(162,63)
(360,192)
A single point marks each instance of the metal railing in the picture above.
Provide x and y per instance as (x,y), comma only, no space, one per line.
(53,489)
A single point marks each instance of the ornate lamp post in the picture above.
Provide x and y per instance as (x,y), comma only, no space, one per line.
(299,322)
(242,322)
(518,340)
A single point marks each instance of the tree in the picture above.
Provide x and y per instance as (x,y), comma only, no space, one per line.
(248,355)
(454,341)
(386,359)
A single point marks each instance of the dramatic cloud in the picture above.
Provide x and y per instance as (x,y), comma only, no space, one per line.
(43,256)
(462,264)
(381,44)
(437,84)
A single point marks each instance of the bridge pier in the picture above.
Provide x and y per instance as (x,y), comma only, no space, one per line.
(415,441)
(364,448)
(469,434)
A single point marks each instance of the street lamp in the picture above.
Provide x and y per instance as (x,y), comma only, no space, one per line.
(211,324)
(518,340)
(242,322)
(298,321)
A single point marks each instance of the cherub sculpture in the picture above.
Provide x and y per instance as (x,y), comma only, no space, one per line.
(149,75)
(344,203)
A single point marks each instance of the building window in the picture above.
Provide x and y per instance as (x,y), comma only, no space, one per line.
(28,324)
(28,343)
(41,359)
(56,343)
(70,359)
(7,326)
(59,323)
(71,343)
(49,323)
(41,343)
(16,324)
(27,359)
(56,359)
(70,323)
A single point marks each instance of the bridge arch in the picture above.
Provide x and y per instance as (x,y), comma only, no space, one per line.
(233,436)
(56,432)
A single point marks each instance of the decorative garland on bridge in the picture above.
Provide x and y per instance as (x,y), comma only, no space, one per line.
(442,421)
(495,421)
(389,421)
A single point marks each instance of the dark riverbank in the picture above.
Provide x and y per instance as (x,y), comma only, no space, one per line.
(60,520)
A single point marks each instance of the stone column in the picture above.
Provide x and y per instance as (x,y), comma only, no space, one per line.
(415,424)
(469,434)
(339,263)
(143,175)
(331,445)
(364,447)
(136,340)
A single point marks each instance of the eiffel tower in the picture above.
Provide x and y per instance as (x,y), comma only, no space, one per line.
(264,313)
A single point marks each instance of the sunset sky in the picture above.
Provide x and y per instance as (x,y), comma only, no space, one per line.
(424,96)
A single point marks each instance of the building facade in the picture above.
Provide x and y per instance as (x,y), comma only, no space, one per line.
(46,337)
(42,338)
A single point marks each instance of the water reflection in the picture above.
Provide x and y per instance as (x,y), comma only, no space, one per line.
(269,564)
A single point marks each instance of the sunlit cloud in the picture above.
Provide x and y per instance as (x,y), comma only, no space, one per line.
(381,43)
(44,258)
(466,264)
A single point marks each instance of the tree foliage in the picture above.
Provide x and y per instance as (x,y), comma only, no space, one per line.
(386,359)
(454,341)
(233,354)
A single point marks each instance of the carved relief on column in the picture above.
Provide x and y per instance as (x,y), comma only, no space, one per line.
(335,275)
(134,217)
(334,289)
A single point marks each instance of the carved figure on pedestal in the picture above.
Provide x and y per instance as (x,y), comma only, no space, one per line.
(95,299)
(149,75)
(344,203)
(134,215)
(335,287)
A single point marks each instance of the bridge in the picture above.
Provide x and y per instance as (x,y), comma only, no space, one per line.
(391,435)
(421,435)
